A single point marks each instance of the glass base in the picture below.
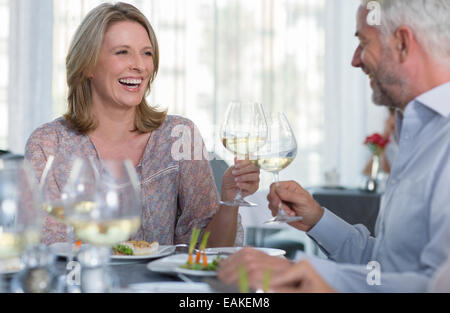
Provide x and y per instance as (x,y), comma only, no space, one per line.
(96,276)
(239,202)
(284,219)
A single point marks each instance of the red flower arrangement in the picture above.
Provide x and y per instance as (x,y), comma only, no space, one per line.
(376,143)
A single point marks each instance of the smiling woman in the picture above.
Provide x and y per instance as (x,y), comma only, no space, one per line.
(114,47)
(111,64)
(124,69)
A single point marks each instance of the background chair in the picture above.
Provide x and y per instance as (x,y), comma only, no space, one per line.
(218,167)
(7,155)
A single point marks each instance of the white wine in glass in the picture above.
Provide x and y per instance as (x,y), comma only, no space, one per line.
(278,153)
(275,163)
(241,146)
(111,211)
(106,232)
(108,215)
(244,131)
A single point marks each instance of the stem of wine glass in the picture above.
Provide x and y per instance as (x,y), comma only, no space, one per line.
(70,233)
(239,193)
(276,178)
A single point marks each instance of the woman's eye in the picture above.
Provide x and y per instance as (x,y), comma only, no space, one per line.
(148,53)
(121,52)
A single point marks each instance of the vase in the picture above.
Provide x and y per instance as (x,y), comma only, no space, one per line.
(372,182)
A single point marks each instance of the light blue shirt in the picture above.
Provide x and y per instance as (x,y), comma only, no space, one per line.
(412,230)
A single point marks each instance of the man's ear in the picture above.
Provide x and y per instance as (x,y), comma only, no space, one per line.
(404,40)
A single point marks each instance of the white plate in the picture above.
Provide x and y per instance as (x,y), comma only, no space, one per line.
(231,250)
(171,265)
(162,251)
(195,272)
(169,287)
(62,249)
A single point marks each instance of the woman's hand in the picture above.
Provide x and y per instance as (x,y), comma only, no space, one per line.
(243,175)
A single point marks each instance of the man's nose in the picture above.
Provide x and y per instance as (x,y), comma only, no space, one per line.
(356,61)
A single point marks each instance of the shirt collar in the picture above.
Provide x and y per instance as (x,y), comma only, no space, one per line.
(437,99)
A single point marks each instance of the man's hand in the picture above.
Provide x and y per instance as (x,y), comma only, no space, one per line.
(255,262)
(296,201)
(300,277)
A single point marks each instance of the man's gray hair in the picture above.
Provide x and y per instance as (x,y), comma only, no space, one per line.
(429,20)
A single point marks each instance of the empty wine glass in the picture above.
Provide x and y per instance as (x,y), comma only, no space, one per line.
(20,221)
(244,131)
(279,150)
(107,216)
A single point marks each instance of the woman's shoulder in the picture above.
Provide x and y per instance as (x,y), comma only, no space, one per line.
(51,135)
(173,125)
(172,121)
(51,131)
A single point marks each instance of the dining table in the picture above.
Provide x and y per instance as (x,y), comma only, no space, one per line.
(136,275)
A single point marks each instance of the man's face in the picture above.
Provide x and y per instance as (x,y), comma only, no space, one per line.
(375,58)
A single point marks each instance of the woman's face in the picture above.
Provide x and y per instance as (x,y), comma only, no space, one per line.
(124,67)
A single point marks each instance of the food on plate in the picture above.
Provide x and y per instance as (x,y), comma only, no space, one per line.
(78,245)
(202,267)
(202,250)
(193,242)
(122,249)
(197,265)
(136,247)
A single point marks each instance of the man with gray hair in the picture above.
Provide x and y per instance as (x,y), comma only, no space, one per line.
(407,58)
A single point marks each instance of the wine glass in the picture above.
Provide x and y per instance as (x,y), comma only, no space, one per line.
(279,150)
(109,215)
(53,194)
(244,131)
(20,221)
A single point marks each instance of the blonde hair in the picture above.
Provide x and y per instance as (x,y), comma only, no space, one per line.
(82,58)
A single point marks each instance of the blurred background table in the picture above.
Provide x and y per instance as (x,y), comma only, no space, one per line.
(355,206)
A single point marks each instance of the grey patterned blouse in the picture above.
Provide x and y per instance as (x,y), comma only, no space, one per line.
(177,194)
